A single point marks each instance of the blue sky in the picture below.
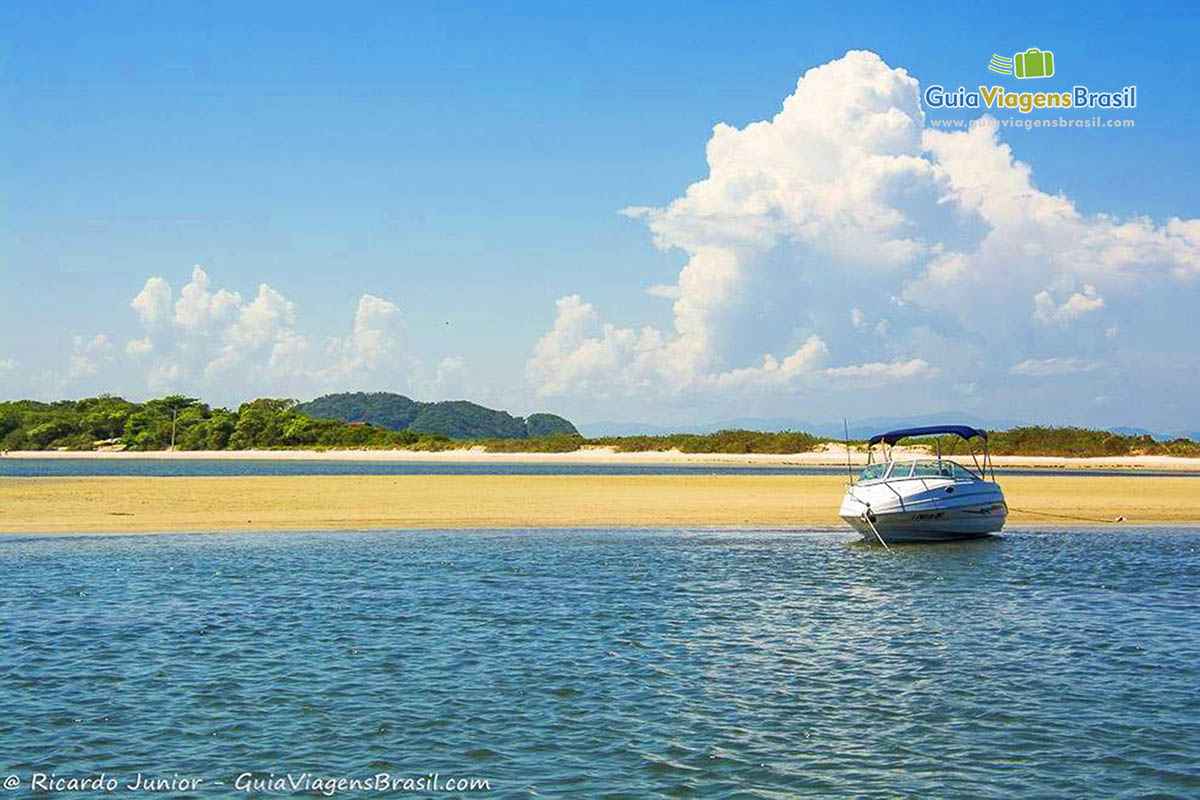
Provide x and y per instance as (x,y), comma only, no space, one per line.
(467,167)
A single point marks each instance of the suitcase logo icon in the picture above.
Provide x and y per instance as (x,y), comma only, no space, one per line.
(1033,63)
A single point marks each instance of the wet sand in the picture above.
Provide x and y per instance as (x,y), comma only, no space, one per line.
(147,505)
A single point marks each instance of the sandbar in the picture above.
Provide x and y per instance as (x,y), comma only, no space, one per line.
(365,502)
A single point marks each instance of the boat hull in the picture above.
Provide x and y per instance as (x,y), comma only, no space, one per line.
(924,510)
(940,525)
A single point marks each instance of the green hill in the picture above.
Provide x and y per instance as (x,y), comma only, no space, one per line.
(457,419)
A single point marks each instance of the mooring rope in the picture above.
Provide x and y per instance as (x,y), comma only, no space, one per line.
(1067,516)
(875,530)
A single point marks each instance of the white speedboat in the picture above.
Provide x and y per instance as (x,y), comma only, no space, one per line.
(924,499)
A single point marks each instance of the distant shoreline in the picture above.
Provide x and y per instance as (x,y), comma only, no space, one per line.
(832,455)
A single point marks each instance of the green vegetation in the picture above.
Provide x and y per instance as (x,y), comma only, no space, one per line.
(81,424)
(113,421)
(733,441)
(1083,442)
(556,443)
(268,423)
(273,423)
(456,419)
(1037,440)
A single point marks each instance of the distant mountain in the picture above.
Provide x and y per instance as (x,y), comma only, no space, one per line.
(1125,430)
(457,419)
(593,430)
(1158,437)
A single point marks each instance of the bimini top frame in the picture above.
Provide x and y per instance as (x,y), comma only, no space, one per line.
(964,432)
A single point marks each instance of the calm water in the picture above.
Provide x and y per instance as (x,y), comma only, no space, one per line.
(612,664)
(174,468)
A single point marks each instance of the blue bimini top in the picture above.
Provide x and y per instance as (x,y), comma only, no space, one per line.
(891,437)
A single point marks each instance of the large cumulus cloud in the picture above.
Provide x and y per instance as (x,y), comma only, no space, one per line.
(842,243)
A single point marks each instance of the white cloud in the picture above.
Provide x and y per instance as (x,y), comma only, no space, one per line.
(210,341)
(199,307)
(844,199)
(449,380)
(787,205)
(581,355)
(263,319)
(163,377)
(1053,366)
(877,372)
(87,355)
(665,291)
(251,329)
(153,302)
(139,347)
(772,371)
(378,326)
(373,351)
(80,366)
(8,364)
(1078,304)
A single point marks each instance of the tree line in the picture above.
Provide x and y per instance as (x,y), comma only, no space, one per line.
(186,423)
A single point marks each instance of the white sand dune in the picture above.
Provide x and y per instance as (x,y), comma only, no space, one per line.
(828,455)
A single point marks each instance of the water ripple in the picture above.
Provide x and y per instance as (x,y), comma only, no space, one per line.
(613,664)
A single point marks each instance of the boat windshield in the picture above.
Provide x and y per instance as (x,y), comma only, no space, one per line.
(873,472)
(931,468)
(919,468)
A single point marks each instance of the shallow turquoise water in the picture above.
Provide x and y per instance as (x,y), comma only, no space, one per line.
(205,467)
(612,663)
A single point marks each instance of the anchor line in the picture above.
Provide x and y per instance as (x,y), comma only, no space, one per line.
(875,530)
(1067,516)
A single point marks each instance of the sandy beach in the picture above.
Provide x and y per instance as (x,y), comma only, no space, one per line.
(145,505)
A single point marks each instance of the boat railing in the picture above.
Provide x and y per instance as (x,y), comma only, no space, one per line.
(883,468)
